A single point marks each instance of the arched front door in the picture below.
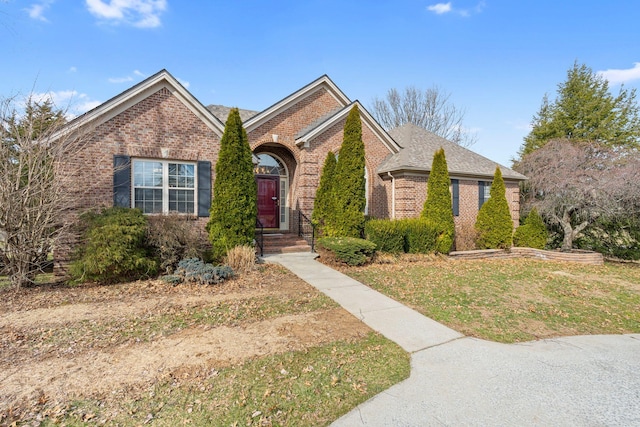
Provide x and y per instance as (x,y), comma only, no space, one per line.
(272,180)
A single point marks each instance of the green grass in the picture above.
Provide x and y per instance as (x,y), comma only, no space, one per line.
(514,300)
(308,388)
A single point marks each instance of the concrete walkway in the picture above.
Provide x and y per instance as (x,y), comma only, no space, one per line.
(457,380)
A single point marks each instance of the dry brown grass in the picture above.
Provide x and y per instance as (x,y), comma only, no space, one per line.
(241,259)
(465,239)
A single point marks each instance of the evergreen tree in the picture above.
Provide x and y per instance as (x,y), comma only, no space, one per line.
(438,207)
(349,186)
(585,110)
(323,206)
(532,233)
(494,224)
(234,206)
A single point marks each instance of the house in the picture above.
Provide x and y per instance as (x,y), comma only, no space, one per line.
(154,146)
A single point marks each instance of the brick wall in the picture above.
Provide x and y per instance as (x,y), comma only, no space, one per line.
(308,161)
(411,194)
(156,123)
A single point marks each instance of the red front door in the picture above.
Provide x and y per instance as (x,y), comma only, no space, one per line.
(268,201)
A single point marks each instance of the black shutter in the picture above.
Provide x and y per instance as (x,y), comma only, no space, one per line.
(455,193)
(204,188)
(122,181)
(480,194)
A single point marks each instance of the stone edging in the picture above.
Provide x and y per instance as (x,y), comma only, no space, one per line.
(584,257)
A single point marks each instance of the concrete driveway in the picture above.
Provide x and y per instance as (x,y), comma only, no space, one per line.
(462,381)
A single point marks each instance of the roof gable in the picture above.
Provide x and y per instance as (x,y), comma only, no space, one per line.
(323,82)
(419,146)
(125,100)
(309,133)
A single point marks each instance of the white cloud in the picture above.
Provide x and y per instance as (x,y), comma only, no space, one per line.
(184,83)
(70,101)
(128,78)
(440,8)
(120,79)
(139,13)
(72,69)
(37,10)
(621,76)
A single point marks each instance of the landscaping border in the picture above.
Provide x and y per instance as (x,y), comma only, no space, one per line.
(579,256)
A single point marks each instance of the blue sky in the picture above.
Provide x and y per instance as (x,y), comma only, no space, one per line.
(497,58)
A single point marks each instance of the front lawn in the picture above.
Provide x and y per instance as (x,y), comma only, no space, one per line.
(262,349)
(513,300)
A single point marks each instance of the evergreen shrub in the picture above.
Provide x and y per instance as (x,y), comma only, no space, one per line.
(194,270)
(234,209)
(349,195)
(324,203)
(616,238)
(349,250)
(114,249)
(494,224)
(389,236)
(438,207)
(421,235)
(532,233)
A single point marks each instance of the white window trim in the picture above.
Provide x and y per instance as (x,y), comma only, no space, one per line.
(165,184)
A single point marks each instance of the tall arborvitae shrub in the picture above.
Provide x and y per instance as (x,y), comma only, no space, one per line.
(323,205)
(532,233)
(438,208)
(494,224)
(349,185)
(233,211)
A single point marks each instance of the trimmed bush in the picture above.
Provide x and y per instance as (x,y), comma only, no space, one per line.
(349,186)
(421,235)
(349,250)
(174,237)
(532,233)
(494,224)
(412,235)
(438,208)
(388,236)
(323,205)
(114,249)
(234,206)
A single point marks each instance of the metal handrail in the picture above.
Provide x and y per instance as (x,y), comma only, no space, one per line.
(260,236)
(304,223)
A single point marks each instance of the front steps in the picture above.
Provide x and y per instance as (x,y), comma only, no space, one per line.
(282,243)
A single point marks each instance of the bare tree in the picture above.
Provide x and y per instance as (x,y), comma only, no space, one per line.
(574,183)
(32,199)
(430,109)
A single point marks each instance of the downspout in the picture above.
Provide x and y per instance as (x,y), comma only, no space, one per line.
(393,195)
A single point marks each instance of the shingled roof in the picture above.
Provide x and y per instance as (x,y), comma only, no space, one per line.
(419,145)
(222,113)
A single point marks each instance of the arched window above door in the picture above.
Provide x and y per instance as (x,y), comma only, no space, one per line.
(269,165)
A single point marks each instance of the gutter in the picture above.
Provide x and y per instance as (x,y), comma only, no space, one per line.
(393,195)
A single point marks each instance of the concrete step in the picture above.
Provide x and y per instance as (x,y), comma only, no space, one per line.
(277,243)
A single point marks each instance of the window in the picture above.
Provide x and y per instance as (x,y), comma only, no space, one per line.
(484,192)
(162,186)
(455,197)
